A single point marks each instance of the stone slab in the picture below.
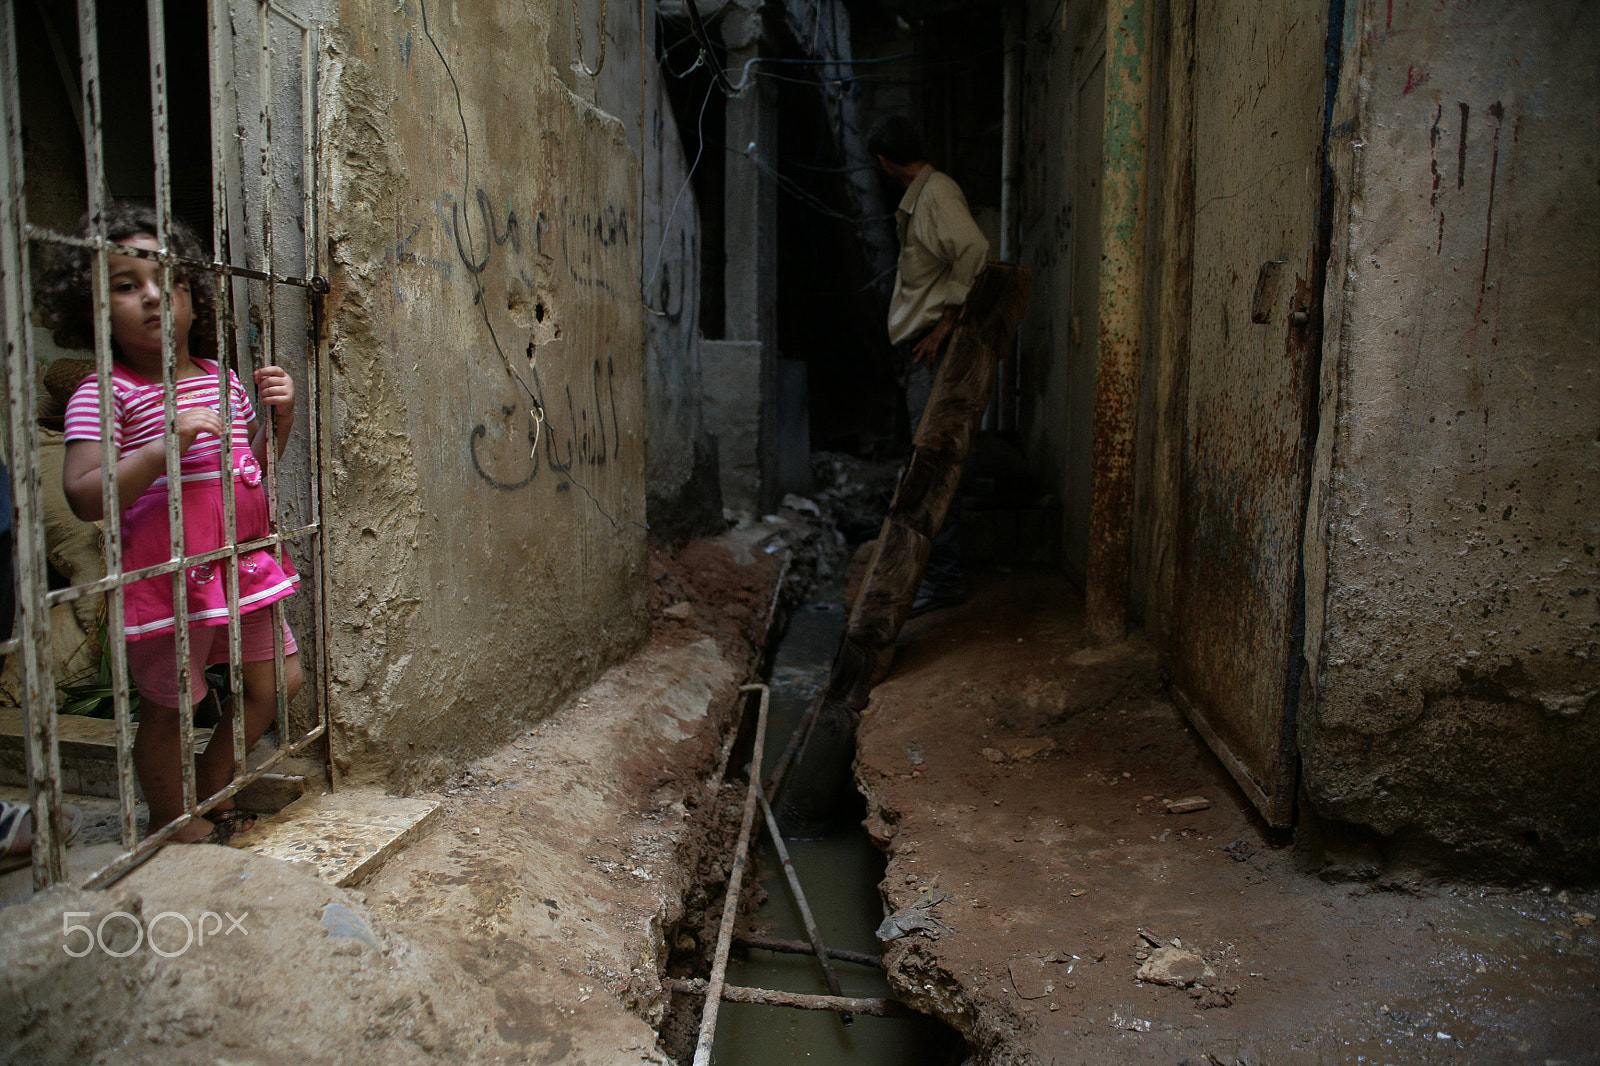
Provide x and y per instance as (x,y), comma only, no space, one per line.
(346,836)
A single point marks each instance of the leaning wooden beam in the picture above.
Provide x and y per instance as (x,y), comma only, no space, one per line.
(820,779)
(798,947)
(878,1008)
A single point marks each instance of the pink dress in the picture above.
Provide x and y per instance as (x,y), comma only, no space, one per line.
(137,418)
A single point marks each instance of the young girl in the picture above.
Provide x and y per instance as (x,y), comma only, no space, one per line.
(139,433)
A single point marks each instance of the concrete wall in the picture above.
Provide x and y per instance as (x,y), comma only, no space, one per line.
(1451,556)
(481,222)
(628,82)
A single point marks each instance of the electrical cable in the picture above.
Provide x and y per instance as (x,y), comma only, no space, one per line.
(666,226)
(577,27)
(707,48)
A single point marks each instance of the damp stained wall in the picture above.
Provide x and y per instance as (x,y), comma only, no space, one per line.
(1063,107)
(481,224)
(1451,556)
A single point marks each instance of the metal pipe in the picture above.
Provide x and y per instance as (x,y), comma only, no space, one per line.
(730,903)
(879,1008)
(817,946)
(1122,231)
(799,947)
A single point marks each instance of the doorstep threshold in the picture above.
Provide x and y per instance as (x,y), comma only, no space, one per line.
(346,836)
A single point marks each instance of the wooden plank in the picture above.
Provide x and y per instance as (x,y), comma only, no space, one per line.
(820,783)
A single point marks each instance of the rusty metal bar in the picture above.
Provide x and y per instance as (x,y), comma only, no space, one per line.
(176,531)
(1122,229)
(269,340)
(311,259)
(818,948)
(98,245)
(220,268)
(42,750)
(730,902)
(800,947)
(881,1008)
(105,584)
(122,864)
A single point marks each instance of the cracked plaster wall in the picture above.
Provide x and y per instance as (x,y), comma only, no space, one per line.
(481,226)
(1452,573)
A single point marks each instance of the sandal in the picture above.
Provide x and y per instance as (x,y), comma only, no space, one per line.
(16,832)
(232,823)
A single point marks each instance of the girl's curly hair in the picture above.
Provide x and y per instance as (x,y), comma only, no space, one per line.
(64,292)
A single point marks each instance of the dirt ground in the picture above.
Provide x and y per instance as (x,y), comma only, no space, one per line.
(529,924)
(1013,772)
(1020,774)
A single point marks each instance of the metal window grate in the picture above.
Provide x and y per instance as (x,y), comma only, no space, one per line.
(257,50)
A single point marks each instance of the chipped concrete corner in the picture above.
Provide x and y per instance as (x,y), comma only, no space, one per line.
(1451,551)
(486,386)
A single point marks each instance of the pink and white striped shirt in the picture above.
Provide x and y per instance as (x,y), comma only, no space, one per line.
(139,415)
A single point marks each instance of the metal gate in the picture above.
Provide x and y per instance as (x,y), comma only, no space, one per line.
(259,202)
(1259,81)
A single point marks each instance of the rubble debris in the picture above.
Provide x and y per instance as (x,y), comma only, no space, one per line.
(1187,805)
(1029,978)
(1019,750)
(1175,967)
(683,610)
(1209,998)
(1133,1025)
(1150,938)
(1583,918)
(1240,850)
(917,918)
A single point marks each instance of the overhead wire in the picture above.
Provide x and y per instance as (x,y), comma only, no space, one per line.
(661,247)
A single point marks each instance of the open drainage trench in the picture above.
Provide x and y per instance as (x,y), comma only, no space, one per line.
(838,877)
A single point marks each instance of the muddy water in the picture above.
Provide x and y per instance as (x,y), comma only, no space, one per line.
(840,876)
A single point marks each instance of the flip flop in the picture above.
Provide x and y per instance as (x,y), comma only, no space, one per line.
(233,822)
(14,817)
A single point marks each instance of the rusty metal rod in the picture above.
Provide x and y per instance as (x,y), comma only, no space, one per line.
(800,947)
(878,1008)
(815,937)
(801,728)
(221,269)
(119,867)
(730,903)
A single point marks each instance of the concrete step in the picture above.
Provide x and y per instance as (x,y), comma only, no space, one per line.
(88,748)
(346,836)
(88,753)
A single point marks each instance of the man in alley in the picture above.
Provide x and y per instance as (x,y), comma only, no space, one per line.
(941,252)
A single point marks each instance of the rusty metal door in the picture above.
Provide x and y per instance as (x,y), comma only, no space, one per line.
(1259,82)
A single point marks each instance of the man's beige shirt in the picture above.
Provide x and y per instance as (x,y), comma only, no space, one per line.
(941,252)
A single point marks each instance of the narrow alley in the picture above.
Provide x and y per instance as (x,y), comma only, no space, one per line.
(938,533)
